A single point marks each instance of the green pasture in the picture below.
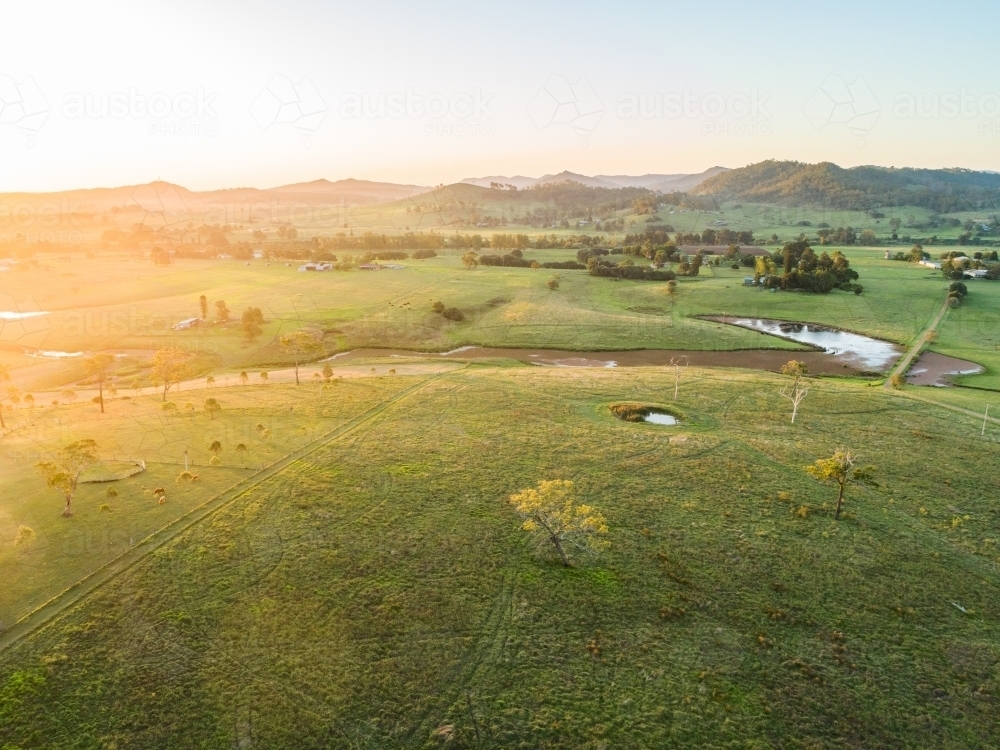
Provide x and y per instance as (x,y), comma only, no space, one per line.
(379,592)
(64,550)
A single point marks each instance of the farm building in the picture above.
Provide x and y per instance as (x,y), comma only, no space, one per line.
(186,324)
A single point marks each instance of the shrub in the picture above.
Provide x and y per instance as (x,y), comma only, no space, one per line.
(111,492)
(552,284)
(214,461)
(425,253)
(453,313)
(438,307)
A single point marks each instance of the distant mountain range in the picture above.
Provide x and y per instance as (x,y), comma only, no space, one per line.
(148,195)
(858,188)
(664,183)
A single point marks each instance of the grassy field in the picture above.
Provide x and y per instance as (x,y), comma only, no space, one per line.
(137,428)
(131,306)
(379,593)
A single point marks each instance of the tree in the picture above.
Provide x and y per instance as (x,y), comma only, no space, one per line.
(797,391)
(69,394)
(300,345)
(221,311)
(64,471)
(212,407)
(98,367)
(210,381)
(263,376)
(552,284)
(551,512)
(215,448)
(203,305)
(677,363)
(252,321)
(839,468)
(169,367)
(242,450)
(244,378)
(327,371)
(4,378)
(470,260)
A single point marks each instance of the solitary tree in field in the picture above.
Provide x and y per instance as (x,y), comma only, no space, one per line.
(99,367)
(242,450)
(327,371)
(212,407)
(215,448)
(839,468)
(470,260)
(69,395)
(678,363)
(263,376)
(210,381)
(221,311)
(244,378)
(169,367)
(300,345)
(551,513)
(798,390)
(252,321)
(4,378)
(64,471)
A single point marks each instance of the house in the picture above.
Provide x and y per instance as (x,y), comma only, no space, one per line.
(186,324)
(749,281)
(930,264)
(975,273)
(316,267)
(393,266)
(369,267)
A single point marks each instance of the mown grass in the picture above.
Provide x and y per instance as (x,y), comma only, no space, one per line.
(381,594)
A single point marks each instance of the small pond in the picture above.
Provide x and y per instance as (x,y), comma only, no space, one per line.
(664,419)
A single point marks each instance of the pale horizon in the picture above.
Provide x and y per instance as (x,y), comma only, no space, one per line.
(209,99)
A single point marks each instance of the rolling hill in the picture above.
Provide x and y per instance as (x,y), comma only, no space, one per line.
(858,188)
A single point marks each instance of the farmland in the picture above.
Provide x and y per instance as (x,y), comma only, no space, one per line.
(345,570)
(378,591)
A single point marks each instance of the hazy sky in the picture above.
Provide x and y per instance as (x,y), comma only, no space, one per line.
(264,93)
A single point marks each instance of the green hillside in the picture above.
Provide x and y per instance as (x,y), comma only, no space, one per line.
(859,188)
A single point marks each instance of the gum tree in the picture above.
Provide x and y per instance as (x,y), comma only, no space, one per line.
(300,345)
(99,367)
(840,470)
(64,470)
(552,514)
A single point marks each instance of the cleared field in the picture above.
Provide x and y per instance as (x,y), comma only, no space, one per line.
(63,551)
(380,593)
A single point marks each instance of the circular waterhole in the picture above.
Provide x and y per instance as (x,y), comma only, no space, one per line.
(645,413)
